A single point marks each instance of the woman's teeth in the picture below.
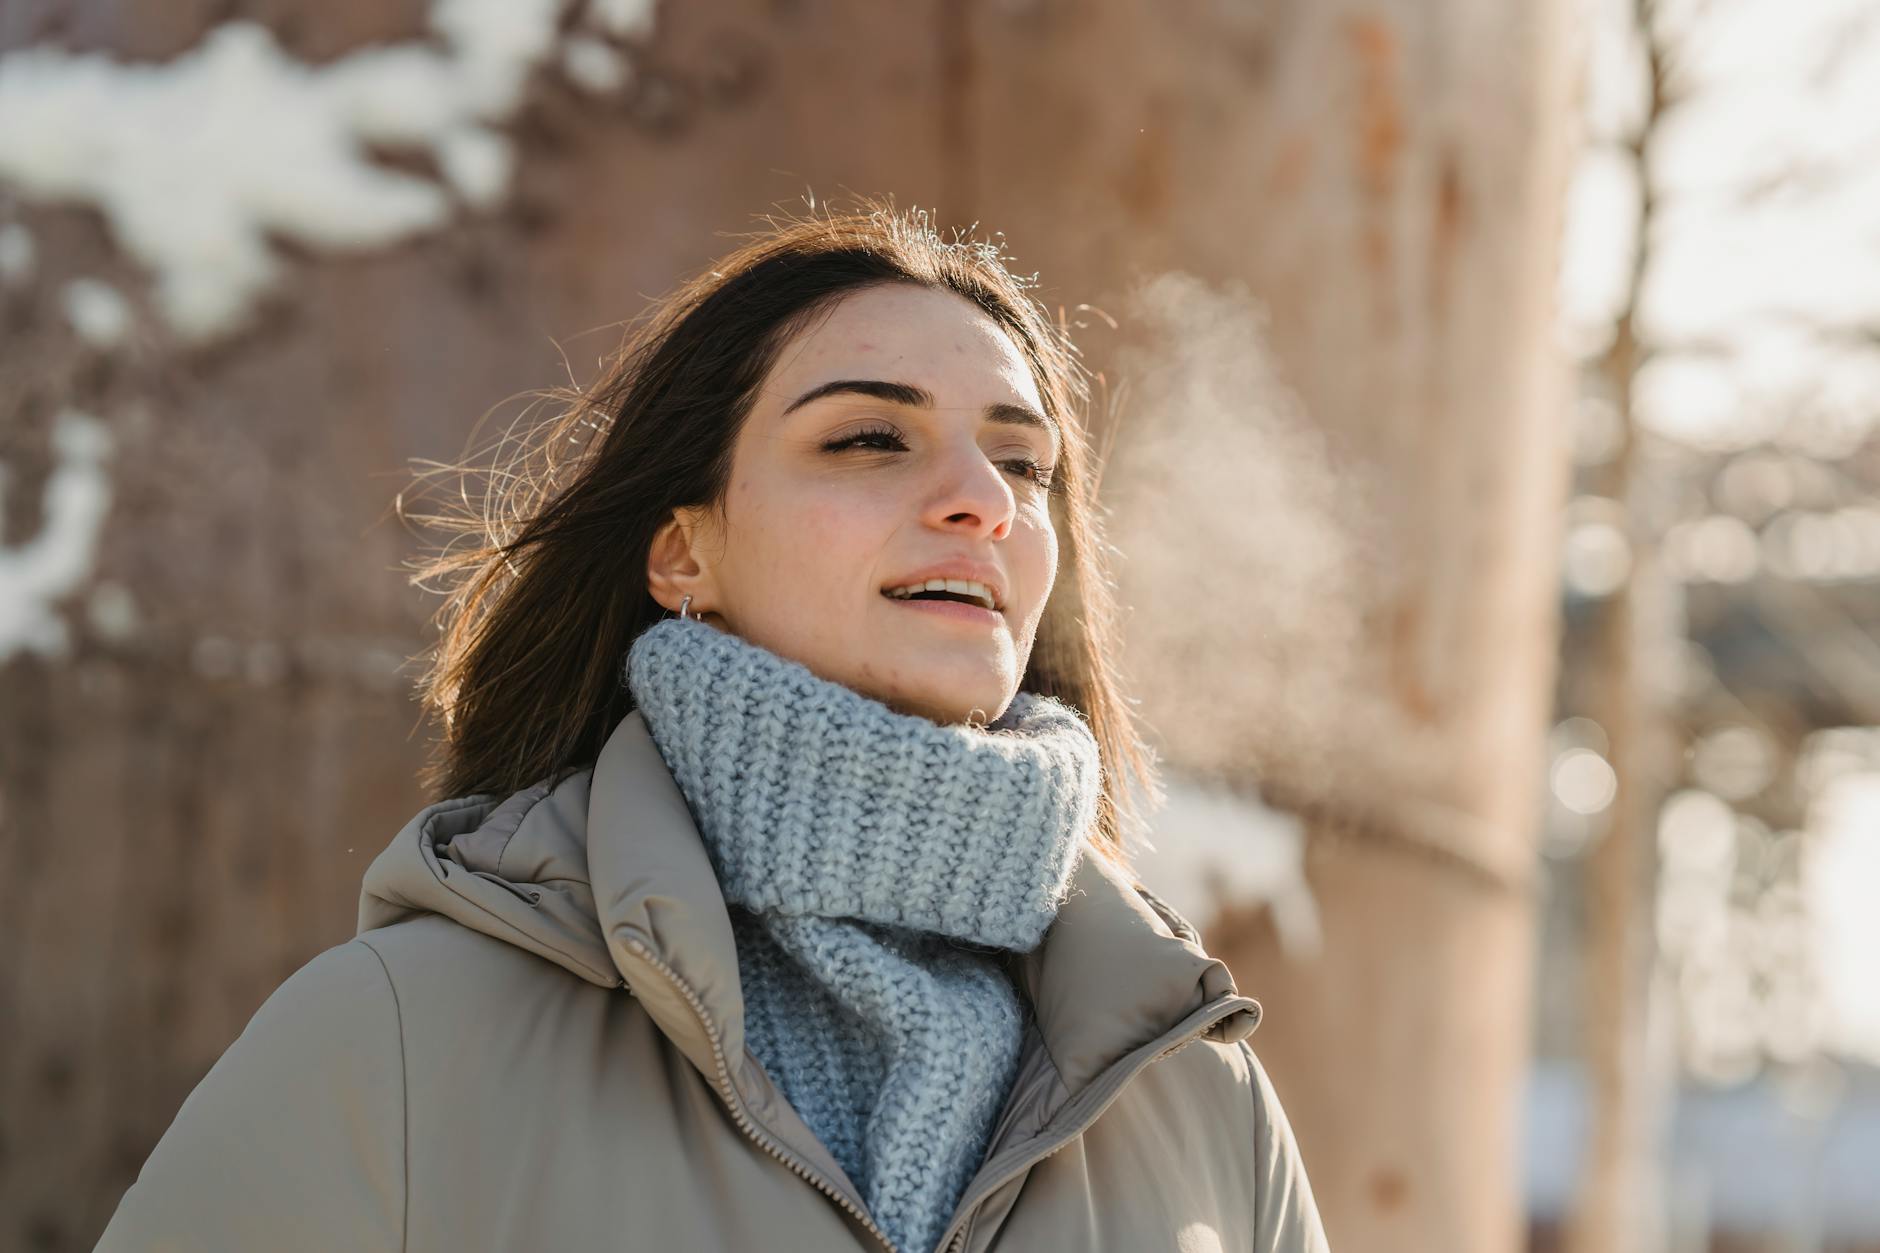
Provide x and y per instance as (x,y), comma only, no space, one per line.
(964,587)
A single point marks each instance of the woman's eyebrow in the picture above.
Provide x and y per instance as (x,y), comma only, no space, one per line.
(920,398)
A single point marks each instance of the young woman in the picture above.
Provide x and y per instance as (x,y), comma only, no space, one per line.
(780,898)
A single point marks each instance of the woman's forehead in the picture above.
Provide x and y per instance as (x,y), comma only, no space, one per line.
(933,340)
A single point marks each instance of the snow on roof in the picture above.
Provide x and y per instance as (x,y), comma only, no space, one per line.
(1212,846)
(37,572)
(194,162)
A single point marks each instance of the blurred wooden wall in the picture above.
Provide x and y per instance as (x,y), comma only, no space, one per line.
(186,807)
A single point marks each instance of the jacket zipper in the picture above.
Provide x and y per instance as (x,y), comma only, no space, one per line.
(728,1091)
(1112,1086)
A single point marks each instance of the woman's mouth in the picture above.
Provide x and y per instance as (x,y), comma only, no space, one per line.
(956,606)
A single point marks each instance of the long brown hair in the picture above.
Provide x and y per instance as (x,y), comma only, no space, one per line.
(547,573)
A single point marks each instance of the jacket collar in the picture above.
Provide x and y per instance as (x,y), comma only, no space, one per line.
(605,874)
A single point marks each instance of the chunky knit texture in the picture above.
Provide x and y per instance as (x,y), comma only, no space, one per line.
(876,863)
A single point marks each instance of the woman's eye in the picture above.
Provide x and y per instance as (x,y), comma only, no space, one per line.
(1036,471)
(871,439)
(1026,468)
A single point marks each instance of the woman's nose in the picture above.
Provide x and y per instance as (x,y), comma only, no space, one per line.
(974,495)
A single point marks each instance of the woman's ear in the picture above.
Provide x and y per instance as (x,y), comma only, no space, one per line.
(673,570)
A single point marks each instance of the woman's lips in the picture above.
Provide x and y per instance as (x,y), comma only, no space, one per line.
(958,610)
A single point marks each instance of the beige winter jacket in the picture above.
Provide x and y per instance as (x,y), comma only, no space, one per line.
(536,1042)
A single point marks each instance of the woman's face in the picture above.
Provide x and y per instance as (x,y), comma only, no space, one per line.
(838,496)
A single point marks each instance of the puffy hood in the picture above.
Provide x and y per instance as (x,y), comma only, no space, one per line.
(605,875)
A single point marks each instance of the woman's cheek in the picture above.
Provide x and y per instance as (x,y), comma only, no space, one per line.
(1043,554)
(831,536)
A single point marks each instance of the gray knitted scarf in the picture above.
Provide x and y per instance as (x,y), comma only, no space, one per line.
(876,863)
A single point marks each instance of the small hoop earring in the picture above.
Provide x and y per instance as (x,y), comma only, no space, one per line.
(682,606)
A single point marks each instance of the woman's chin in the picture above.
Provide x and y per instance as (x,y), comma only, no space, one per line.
(946,703)
(939,678)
